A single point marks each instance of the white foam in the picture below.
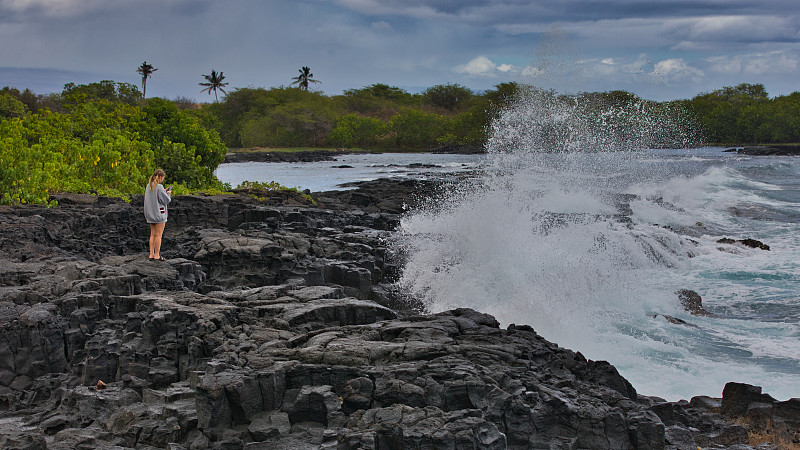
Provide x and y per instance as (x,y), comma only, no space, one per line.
(545,239)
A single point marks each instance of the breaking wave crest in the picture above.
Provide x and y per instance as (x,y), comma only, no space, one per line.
(558,231)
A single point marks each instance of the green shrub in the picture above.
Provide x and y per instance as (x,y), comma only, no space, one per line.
(354,131)
(104,145)
(415,128)
(182,146)
(255,187)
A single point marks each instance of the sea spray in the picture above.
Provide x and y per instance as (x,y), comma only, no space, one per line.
(569,229)
(548,220)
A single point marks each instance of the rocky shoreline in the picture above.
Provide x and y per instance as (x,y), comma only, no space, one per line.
(767,150)
(266,155)
(252,155)
(273,324)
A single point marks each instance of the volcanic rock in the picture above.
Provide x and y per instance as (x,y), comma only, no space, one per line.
(273,324)
(256,155)
(692,302)
(767,150)
(752,243)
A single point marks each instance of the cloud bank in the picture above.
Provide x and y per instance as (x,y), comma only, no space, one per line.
(659,50)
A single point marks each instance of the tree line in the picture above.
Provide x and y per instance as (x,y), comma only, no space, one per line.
(106,138)
(384,117)
(378,116)
(744,114)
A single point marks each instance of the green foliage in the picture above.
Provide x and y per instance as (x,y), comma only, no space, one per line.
(87,118)
(744,114)
(216,189)
(109,163)
(185,149)
(503,95)
(245,118)
(376,116)
(379,101)
(31,101)
(468,128)
(414,128)
(261,186)
(447,96)
(104,145)
(10,106)
(256,187)
(355,131)
(287,117)
(184,103)
(23,178)
(380,90)
(101,138)
(105,90)
(782,122)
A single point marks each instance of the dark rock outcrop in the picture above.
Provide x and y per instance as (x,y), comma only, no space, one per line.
(272,324)
(748,242)
(767,150)
(459,149)
(252,155)
(692,302)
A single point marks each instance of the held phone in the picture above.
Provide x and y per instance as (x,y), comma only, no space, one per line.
(169,188)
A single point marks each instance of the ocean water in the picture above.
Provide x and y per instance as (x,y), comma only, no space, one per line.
(587,237)
(597,271)
(331,175)
(576,230)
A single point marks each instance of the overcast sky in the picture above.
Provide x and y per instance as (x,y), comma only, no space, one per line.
(660,50)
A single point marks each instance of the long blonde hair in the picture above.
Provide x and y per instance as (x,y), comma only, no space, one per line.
(154,178)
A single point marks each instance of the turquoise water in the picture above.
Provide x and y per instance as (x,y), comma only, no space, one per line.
(553,243)
(550,241)
(330,175)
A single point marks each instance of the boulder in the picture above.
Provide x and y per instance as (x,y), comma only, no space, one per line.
(748,242)
(692,302)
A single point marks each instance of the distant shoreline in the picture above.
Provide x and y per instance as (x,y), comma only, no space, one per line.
(767,150)
(258,154)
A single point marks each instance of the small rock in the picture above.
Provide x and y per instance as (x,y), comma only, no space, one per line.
(692,302)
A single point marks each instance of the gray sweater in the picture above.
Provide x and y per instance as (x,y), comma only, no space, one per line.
(155,204)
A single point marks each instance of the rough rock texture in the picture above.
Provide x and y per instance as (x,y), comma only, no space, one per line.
(768,150)
(272,325)
(692,302)
(459,149)
(263,155)
(748,242)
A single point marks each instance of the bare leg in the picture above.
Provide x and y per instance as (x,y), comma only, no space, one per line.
(158,230)
(152,240)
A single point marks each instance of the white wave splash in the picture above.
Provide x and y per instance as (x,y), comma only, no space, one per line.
(574,232)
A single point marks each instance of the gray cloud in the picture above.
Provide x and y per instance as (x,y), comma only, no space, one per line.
(545,11)
(661,49)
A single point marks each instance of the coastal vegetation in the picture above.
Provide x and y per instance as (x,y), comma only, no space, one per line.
(378,117)
(745,114)
(98,138)
(387,118)
(106,138)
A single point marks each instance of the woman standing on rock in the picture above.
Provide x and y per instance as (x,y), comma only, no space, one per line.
(156,199)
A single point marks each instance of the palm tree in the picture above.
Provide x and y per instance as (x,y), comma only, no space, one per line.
(304,78)
(146,70)
(213,83)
